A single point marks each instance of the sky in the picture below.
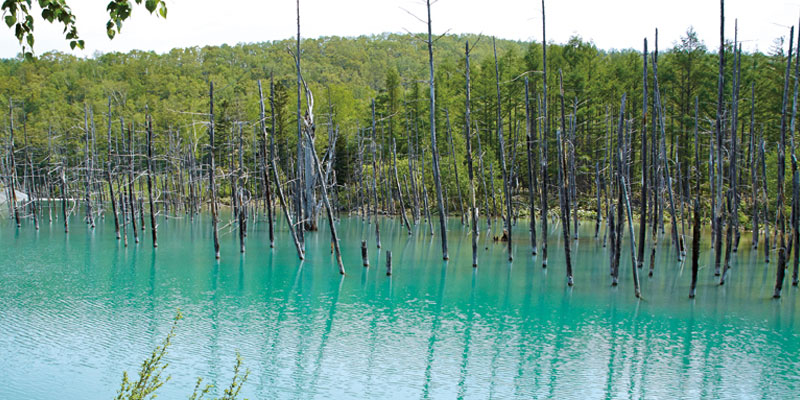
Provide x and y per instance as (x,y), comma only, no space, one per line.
(610,24)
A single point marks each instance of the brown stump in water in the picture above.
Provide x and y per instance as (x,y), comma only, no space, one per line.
(364,258)
(388,263)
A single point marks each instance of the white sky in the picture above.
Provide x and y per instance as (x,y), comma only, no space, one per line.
(608,23)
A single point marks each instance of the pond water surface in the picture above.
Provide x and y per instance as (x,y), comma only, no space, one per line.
(77,310)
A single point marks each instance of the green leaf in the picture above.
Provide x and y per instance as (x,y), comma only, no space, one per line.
(150,5)
(30,40)
(111,33)
(10,20)
(163,11)
(72,44)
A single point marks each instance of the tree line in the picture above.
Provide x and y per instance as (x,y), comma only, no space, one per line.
(393,123)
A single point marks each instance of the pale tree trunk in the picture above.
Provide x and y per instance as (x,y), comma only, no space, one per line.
(434,150)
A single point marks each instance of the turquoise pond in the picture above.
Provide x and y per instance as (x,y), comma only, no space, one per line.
(77,310)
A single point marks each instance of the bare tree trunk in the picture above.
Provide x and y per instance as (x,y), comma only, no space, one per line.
(732,196)
(696,219)
(781,177)
(298,184)
(531,171)
(399,190)
(752,160)
(795,233)
(643,197)
(719,132)
(765,198)
(572,186)
(483,181)
(153,227)
(375,181)
(473,210)
(455,167)
(240,195)
(562,184)
(504,170)
(264,166)
(64,197)
(109,175)
(663,156)
(634,265)
(131,172)
(425,194)
(278,187)
(13,166)
(88,180)
(328,209)
(434,150)
(212,169)
(543,148)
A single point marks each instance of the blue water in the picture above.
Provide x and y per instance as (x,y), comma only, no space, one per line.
(76,310)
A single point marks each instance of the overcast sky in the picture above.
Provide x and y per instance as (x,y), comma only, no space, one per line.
(608,23)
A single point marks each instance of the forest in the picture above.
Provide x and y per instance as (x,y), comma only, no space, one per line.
(360,129)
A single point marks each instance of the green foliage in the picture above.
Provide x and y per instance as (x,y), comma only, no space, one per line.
(18,15)
(231,392)
(149,379)
(49,93)
(150,375)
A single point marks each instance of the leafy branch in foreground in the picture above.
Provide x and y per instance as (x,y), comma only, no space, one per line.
(150,375)
(18,15)
(232,391)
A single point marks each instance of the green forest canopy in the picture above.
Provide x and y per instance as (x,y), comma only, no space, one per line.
(49,92)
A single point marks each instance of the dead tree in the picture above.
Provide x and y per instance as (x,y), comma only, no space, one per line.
(752,161)
(717,208)
(665,162)
(264,166)
(562,183)
(213,167)
(634,265)
(473,210)
(88,166)
(643,197)
(781,177)
(696,219)
(765,198)
(153,227)
(131,201)
(795,231)
(298,184)
(239,193)
(543,147)
(109,174)
(274,168)
(399,190)
(732,172)
(13,166)
(308,127)
(455,167)
(425,193)
(504,169)
(483,181)
(531,171)
(375,180)
(434,150)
